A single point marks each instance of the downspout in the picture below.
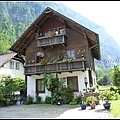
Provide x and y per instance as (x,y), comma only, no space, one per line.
(90,54)
(25,91)
(90,68)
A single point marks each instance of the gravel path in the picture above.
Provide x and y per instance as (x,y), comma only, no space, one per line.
(46,111)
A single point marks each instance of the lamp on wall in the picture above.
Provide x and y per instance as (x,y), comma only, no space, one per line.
(85,81)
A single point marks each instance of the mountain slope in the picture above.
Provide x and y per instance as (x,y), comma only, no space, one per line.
(17,16)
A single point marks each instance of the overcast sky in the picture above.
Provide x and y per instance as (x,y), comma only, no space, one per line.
(104,13)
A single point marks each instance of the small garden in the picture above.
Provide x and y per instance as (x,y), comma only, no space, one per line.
(8,88)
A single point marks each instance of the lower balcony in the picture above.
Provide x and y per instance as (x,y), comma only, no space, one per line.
(37,69)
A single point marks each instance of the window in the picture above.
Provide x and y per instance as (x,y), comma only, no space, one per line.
(40,56)
(11,64)
(72,83)
(17,66)
(40,87)
(62,30)
(71,53)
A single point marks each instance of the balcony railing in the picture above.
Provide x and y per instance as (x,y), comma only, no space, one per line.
(75,65)
(48,41)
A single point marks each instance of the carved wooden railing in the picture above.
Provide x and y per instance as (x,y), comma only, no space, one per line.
(75,65)
(48,41)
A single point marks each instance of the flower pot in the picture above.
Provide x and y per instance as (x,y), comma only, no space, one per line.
(83,106)
(59,102)
(107,105)
(92,105)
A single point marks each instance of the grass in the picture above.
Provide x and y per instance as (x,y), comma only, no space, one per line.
(115,108)
(102,88)
(115,104)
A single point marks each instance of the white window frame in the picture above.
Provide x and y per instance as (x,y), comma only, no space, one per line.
(11,64)
(17,66)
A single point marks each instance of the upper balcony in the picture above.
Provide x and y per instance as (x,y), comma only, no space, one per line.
(51,41)
(58,67)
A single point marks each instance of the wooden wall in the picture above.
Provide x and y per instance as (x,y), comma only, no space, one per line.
(75,40)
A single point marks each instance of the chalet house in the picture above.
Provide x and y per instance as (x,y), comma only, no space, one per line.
(12,64)
(55,37)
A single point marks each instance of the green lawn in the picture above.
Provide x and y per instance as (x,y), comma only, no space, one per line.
(115,104)
(102,88)
(115,108)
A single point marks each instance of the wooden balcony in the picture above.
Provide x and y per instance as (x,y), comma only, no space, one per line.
(36,69)
(50,41)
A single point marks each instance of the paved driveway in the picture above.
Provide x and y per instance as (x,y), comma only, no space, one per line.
(46,111)
(34,111)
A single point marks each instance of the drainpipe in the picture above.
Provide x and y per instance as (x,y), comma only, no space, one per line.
(25,91)
(90,54)
(91,61)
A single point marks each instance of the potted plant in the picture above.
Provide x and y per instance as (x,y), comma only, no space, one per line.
(92,101)
(106,96)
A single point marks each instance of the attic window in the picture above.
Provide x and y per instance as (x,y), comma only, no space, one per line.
(48,11)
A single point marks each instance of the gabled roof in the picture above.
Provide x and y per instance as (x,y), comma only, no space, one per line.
(6,57)
(25,39)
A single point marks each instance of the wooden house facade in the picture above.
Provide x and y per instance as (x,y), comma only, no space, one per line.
(61,46)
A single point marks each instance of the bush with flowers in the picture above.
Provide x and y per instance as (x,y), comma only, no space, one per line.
(107,95)
(57,88)
(78,97)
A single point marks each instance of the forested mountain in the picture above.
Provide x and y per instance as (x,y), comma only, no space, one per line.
(15,18)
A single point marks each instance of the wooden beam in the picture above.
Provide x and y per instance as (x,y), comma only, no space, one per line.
(24,45)
(38,27)
(63,45)
(65,23)
(51,46)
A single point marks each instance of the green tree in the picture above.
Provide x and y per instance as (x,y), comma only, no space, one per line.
(9,85)
(115,75)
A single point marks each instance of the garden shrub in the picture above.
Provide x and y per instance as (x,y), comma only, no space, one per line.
(28,100)
(67,95)
(1,96)
(113,89)
(79,99)
(73,102)
(48,100)
(116,96)
(38,99)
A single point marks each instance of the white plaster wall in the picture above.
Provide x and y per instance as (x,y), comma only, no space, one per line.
(31,88)
(31,83)
(12,72)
